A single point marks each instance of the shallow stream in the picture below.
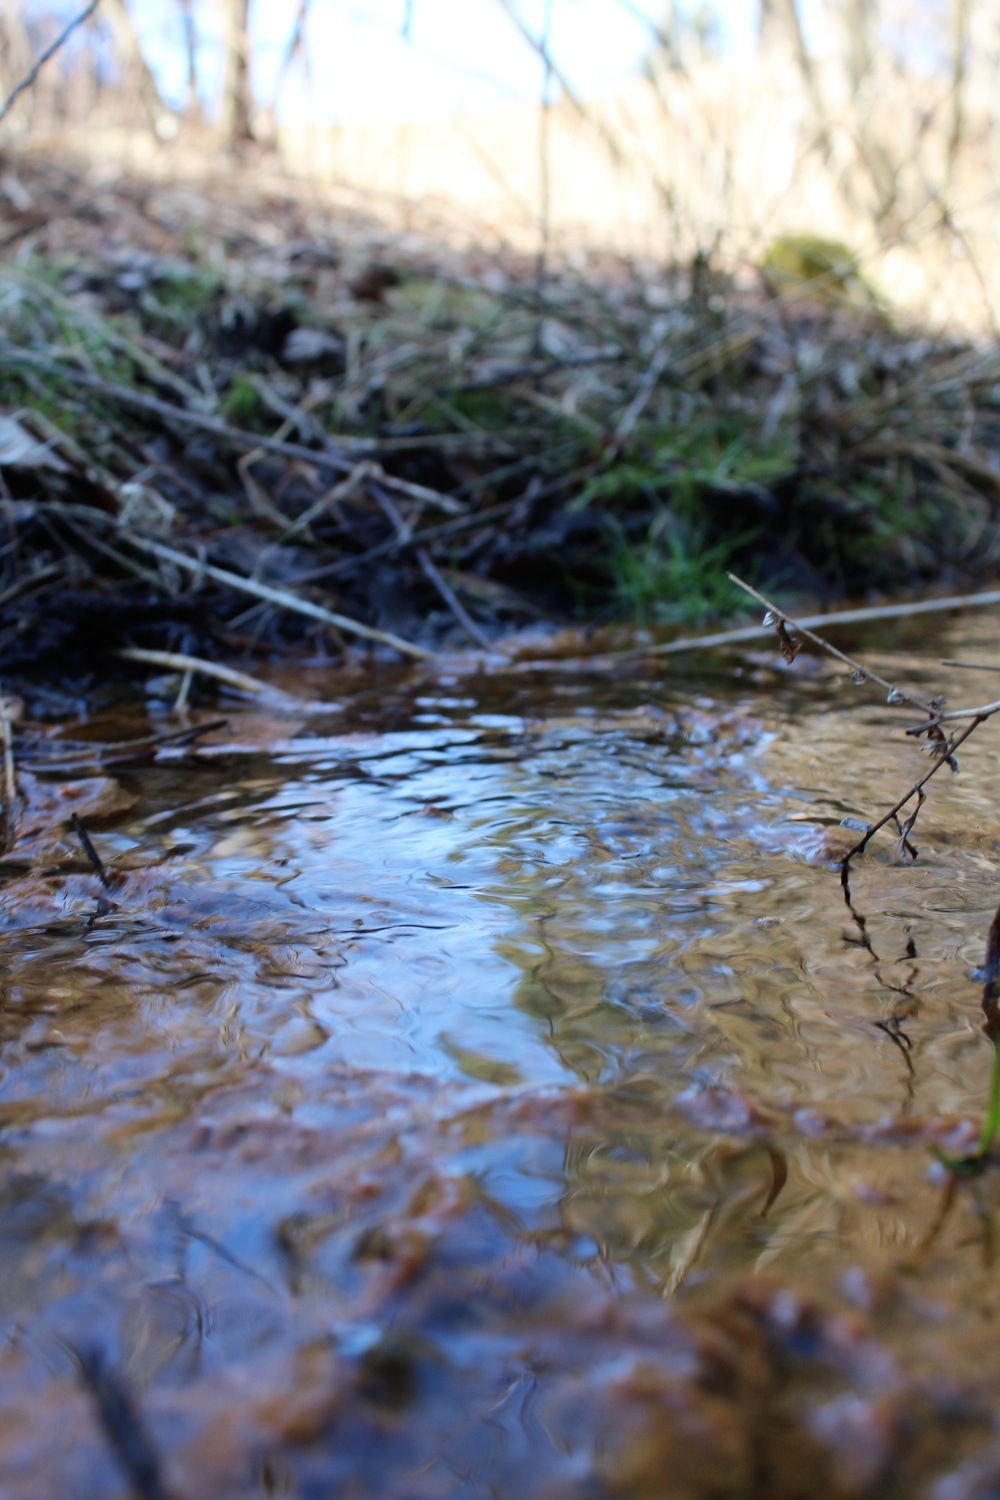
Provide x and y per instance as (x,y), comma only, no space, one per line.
(477,1086)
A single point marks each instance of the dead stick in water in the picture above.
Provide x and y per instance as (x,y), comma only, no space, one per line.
(121,1424)
(869,615)
(91,852)
(179,661)
(9,778)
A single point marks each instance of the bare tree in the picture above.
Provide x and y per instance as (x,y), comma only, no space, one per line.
(959,66)
(773,31)
(237,101)
(192,101)
(780,30)
(297,49)
(860,25)
(115,12)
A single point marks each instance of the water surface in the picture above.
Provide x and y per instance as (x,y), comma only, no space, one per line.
(479,1087)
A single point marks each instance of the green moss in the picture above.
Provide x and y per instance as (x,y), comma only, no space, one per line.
(242,405)
(826,269)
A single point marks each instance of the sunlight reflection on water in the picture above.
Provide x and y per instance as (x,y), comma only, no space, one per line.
(424,1052)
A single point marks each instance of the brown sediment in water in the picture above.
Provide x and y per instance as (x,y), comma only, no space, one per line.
(479,1083)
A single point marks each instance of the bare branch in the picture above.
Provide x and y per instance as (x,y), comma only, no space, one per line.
(859,672)
(49,52)
(914,791)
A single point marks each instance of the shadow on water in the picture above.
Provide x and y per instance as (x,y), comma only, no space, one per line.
(483,1089)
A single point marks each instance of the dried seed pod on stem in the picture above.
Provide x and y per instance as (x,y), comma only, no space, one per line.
(941,743)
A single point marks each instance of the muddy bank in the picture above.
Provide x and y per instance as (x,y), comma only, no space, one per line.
(238,422)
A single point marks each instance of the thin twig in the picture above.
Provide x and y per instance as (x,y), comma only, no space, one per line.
(945,748)
(461,614)
(8,827)
(222,430)
(917,787)
(403,536)
(326,501)
(452,528)
(390,510)
(29,581)
(51,51)
(544,167)
(979,711)
(121,752)
(341,454)
(860,672)
(869,615)
(281,597)
(252,442)
(177,661)
(95,859)
(644,391)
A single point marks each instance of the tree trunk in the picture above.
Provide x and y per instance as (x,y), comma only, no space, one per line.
(237,105)
(127,43)
(16,51)
(860,21)
(780,28)
(192,101)
(771,31)
(959,63)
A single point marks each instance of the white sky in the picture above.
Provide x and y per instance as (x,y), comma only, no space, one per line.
(463,54)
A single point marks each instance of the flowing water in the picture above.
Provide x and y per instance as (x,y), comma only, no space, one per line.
(478,1086)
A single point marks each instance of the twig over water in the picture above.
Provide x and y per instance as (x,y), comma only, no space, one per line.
(870,614)
(178,661)
(859,673)
(468,624)
(777,618)
(914,791)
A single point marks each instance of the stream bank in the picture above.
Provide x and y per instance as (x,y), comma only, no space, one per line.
(238,423)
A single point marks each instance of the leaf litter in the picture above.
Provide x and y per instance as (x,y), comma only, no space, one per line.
(235,422)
